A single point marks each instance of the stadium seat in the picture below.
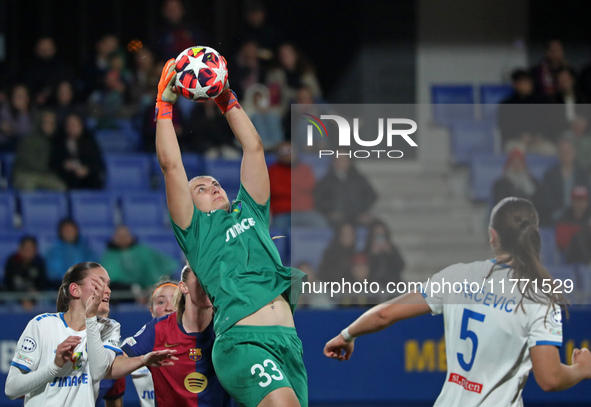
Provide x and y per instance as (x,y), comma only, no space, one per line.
(452,103)
(484,170)
(97,240)
(469,138)
(144,209)
(43,209)
(227,172)
(130,172)
(320,166)
(164,241)
(8,245)
(94,208)
(194,165)
(549,252)
(490,97)
(308,245)
(7,211)
(117,141)
(539,164)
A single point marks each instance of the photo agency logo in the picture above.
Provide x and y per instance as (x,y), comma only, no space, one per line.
(356,147)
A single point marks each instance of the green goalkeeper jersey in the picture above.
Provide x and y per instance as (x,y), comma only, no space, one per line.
(236,261)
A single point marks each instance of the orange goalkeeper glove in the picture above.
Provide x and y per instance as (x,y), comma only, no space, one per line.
(166,96)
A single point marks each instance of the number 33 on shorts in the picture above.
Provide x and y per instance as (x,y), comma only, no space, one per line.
(262,372)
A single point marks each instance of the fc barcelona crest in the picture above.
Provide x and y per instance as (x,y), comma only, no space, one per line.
(195,354)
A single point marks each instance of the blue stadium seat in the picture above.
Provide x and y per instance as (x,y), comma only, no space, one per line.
(117,141)
(144,209)
(452,103)
(227,172)
(8,245)
(94,208)
(130,172)
(231,192)
(320,166)
(98,239)
(194,164)
(163,241)
(549,252)
(539,164)
(7,211)
(308,245)
(484,170)
(490,97)
(43,209)
(469,138)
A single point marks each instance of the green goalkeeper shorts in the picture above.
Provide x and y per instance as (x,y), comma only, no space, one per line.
(252,361)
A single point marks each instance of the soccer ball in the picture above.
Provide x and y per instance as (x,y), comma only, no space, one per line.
(201,73)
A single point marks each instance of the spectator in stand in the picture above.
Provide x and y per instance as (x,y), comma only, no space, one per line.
(516,180)
(336,259)
(384,259)
(97,68)
(290,176)
(131,263)
(16,118)
(247,69)
(110,101)
(571,100)
(257,29)
(76,157)
(24,271)
(176,32)
(70,249)
(266,120)
(299,136)
(45,70)
(545,73)
(144,79)
(573,233)
(344,194)
(31,169)
(64,101)
(213,137)
(293,71)
(519,121)
(559,181)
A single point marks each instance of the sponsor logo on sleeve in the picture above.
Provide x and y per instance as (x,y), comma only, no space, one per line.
(25,359)
(130,341)
(29,345)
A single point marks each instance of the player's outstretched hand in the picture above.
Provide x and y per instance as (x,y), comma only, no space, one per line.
(582,357)
(338,348)
(98,292)
(159,358)
(65,350)
(166,83)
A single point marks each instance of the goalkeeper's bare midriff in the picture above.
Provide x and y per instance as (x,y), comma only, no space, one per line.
(276,312)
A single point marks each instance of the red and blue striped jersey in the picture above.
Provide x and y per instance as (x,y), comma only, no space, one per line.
(192,381)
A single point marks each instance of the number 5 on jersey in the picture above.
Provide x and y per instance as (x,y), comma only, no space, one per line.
(268,378)
(465,334)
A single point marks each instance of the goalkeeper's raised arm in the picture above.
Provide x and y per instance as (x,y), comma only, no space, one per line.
(178,194)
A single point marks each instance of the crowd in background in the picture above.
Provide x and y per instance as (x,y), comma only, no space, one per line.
(50,113)
(548,114)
